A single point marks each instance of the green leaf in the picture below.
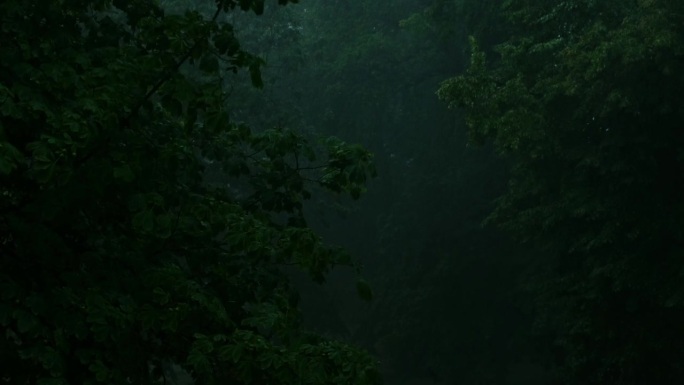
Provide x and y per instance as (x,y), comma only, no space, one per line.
(9,157)
(123,173)
(164,225)
(100,370)
(199,361)
(26,322)
(137,202)
(144,220)
(51,360)
(232,353)
(37,304)
(161,296)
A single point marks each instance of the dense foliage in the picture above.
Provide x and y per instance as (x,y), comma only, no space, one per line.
(171,185)
(143,228)
(585,98)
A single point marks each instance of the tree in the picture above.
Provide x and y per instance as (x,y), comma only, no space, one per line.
(141,225)
(584,99)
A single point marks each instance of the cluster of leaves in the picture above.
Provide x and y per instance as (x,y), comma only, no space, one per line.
(585,99)
(139,225)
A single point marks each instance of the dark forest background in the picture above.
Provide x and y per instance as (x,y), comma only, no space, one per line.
(419,192)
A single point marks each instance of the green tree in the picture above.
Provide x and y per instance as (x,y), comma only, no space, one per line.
(585,99)
(141,225)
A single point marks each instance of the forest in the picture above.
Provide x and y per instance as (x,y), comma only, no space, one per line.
(308,192)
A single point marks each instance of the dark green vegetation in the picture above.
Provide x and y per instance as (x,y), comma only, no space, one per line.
(156,204)
(586,100)
(141,226)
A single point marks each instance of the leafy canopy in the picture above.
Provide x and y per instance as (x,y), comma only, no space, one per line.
(585,99)
(140,226)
